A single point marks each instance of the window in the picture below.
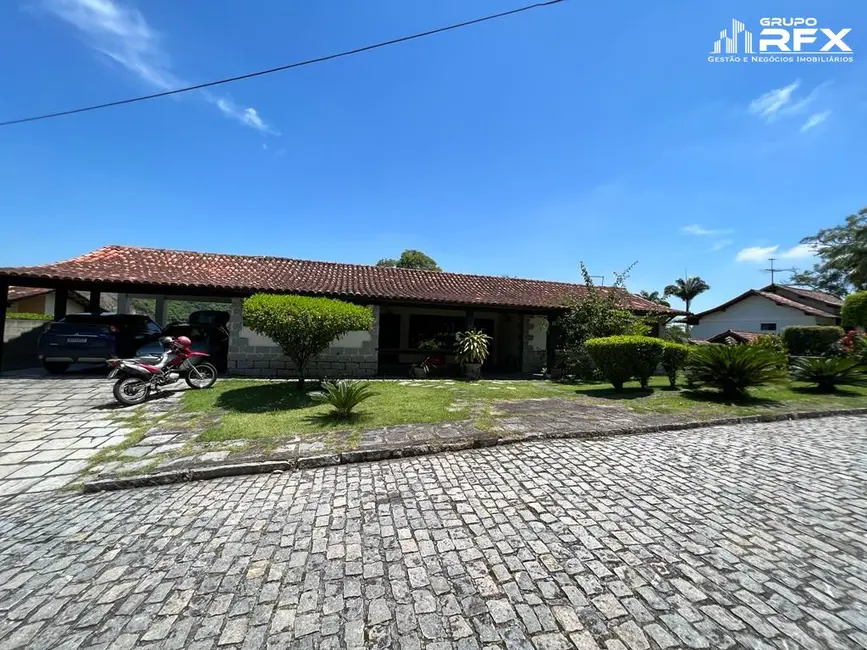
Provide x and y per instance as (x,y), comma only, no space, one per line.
(769,327)
(428,331)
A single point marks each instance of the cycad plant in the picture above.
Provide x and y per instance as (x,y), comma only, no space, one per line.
(344,395)
(829,372)
(733,368)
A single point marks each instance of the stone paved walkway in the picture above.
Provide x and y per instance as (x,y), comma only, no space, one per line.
(50,427)
(728,537)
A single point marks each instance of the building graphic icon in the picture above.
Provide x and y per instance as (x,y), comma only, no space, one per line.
(731,41)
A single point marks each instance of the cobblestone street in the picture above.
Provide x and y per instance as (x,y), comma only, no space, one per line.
(749,536)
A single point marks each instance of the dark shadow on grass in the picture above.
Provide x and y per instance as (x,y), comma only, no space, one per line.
(332,418)
(839,391)
(715,397)
(277,396)
(631,392)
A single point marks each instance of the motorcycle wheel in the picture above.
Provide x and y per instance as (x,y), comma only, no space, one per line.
(130,391)
(203,375)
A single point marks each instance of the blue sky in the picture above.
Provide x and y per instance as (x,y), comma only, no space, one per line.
(582,131)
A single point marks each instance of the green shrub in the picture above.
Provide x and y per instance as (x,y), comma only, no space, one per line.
(772,343)
(674,358)
(472,347)
(732,368)
(619,358)
(23,315)
(854,311)
(828,373)
(303,326)
(811,340)
(344,395)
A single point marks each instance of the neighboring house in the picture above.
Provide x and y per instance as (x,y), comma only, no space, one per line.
(766,310)
(35,300)
(411,307)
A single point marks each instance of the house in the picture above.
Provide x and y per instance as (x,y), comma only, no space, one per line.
(413,309)
(37,300)
(767,310)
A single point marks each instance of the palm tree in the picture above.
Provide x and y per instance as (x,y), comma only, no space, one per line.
(653,296)
(687,289)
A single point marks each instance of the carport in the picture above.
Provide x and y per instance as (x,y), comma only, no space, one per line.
(90,273)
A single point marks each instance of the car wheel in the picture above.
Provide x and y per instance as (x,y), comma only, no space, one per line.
(55,367)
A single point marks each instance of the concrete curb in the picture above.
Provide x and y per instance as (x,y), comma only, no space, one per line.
(369,455)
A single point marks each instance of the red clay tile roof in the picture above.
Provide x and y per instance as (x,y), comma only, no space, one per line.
(744,337)
(19,293)
(820,296)
(242,274)
(780,300)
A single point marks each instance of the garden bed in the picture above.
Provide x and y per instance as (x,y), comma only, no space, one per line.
(247,426)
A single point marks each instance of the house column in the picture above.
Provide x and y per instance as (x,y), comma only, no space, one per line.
(550,345)
(4,299)
(60,298)
(469,320)
(122,303)
(160,311)
(93,302)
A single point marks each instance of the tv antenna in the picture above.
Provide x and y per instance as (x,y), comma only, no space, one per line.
(602,279)
(774,271)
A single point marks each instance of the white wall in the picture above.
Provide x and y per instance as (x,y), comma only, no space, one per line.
(748,316)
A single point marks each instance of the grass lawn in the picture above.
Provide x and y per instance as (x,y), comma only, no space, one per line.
(269,409)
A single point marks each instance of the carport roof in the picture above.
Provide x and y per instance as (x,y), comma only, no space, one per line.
(222,274)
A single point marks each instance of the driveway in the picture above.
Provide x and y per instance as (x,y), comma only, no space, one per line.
(752,536)
(50,427)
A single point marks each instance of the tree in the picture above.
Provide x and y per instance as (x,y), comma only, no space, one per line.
(600,312)
(654,296)
(854,311)
(843,254)
(303,327)
(411,259)
(687,289)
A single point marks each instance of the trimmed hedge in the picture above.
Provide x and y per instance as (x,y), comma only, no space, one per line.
(674,358)
(811,340)
(303,326)
(854,311)
(619,358)
(23,315)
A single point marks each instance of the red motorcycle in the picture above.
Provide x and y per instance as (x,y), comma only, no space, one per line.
(137,379)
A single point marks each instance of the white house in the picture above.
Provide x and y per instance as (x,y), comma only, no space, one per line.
(767,310)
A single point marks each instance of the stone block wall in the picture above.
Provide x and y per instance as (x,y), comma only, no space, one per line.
(18,327)
(252,355)
(535,343)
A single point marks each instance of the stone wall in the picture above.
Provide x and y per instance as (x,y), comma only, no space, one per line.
(252,355)
(18,327)
(535,344)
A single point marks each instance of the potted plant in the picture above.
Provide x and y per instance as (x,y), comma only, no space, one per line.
(471,352)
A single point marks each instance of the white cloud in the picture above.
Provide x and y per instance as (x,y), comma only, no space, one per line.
(756,253)
(701,231)
(722,243)
(123,35)
(761,253)
(815,120)
(800,251)
(772,102)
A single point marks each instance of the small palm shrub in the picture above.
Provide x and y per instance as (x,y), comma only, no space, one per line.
(828,373)
(674,358)
(620,358)
(344,395)
(733,368)
(472,347)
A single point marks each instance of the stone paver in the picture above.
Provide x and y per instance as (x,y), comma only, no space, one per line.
(729,537)
(51,426)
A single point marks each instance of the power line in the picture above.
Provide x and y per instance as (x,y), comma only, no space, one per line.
(298,64)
